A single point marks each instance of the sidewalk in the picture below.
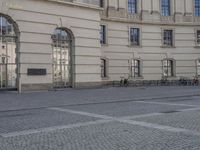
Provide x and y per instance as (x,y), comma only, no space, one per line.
(15,101)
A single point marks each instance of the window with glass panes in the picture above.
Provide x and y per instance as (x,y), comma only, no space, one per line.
(198,67)
(135,36)
(168,68)
(103,68)
(132,6)
(168,38)
(136,68)
(101,3)
(165,6)
(197,8)
(103,34)
(198,37)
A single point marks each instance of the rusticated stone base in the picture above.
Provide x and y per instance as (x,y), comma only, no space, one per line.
(36,87)
(130,83)
(49,86)
(88,85)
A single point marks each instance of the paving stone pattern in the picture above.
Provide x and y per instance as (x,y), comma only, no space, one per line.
(149,118)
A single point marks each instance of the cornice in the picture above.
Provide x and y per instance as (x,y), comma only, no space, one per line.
(140,22)
(77,4)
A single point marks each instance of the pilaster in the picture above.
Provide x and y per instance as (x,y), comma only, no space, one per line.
(179,10)
(146,10)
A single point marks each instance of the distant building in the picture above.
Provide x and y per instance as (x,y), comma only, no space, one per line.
(87,43)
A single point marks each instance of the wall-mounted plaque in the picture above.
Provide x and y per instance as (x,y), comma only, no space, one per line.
(36,72)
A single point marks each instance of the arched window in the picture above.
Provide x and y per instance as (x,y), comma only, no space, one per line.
(168,68)
(62,60)
(8,64)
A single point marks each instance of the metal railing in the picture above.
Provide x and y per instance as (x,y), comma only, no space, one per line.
(163,82)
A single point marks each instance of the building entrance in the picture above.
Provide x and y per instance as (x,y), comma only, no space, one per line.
(62,66)
(8,65)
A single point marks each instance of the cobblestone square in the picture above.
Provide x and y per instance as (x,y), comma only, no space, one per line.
(149,118)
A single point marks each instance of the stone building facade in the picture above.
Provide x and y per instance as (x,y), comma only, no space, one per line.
(49,44)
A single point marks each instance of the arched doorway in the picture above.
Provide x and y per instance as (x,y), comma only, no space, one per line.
(62,58)
(8,56)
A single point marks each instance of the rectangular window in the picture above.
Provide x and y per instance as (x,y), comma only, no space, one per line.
(165,6)
(135,36)
(168,38)
(132,6)
(197,8)
(198,67)
(101,3)
(103,68)
(168,68)
(136,68)
(198,37)
(103,34)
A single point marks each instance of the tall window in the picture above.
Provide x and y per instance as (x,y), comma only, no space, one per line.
(103,68)
(62,60)
(168,38)
(198,67)
(198,38)
(103,34)
(168,68)
(165,6)
(197,8)
(136,68)
(135,36)
(101,3)
(8,57)
(132,6)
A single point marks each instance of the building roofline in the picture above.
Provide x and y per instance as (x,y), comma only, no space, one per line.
(78,4)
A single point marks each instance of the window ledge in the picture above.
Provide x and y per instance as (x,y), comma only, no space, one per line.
(172,78)
(168,47)
(137,78)
(104,45)
(105,78)
(136,46)
(197,46)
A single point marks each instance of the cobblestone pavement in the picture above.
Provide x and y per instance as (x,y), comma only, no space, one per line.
(151,118)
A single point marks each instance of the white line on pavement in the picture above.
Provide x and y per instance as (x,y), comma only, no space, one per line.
(105,119)
(139,123)
(160,127)
(161,103)
(50,129)
(141,116)
(190,109)
(81,113)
